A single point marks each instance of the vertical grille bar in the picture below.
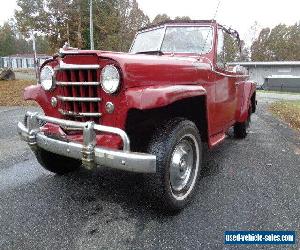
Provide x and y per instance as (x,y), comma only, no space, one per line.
(66,105)
(82,94)
(90,79)
(73,79)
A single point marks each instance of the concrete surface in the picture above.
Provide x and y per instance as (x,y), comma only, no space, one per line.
(272,96)
(250,184)
(25,74)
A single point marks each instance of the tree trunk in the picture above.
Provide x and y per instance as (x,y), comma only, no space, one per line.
(79,35)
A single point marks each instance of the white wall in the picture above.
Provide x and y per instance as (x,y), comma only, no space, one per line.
(259,73)
(18,62)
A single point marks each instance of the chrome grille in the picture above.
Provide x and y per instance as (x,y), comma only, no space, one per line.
(78,94)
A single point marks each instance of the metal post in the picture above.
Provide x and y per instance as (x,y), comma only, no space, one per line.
(68,33)
(35,57)
(91,25)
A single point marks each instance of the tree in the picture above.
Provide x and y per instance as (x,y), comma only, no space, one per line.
(245,52)
(231,48)
(277,44)
(115,22)
(294,42)
(13,42)
(259,49)
(106,24)
(47,17)
(161,18)
(35,15)
(132,18)
(182,18)
(7,40)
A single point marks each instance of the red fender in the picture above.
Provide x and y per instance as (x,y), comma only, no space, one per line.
(154,97)
(43,98)
(245,92)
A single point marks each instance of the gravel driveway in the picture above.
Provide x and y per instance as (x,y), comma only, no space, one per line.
(250,184)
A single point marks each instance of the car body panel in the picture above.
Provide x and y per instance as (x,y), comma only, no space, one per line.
(155,81)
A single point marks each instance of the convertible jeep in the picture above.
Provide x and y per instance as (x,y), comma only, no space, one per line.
(148,111)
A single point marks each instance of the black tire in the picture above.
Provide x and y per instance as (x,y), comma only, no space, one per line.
(55,163)
(240,129)
(165,144)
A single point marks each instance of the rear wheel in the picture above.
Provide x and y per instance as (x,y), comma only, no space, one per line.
(178,149)
(241,129)
(56,163)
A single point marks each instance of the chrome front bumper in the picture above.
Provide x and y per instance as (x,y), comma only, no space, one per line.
(90,154)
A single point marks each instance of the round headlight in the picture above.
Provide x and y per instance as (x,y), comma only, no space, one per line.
(110,79)
(46,78)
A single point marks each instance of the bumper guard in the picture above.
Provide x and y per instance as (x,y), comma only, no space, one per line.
(90,154)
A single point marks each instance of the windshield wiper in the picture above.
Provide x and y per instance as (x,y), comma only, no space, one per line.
(151,52)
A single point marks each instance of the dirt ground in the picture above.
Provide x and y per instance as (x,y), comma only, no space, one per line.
(288,111)
(11,93)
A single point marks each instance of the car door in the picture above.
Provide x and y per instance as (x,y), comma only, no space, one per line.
(225,87)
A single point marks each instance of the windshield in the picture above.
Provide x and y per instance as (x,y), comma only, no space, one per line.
(148,41)
(179,39)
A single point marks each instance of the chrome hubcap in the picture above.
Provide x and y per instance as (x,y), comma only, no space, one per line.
(184,166)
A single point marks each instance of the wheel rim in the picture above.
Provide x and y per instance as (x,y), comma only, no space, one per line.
(184,166)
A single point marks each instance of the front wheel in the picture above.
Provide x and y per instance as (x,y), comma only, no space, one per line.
(178,149)
(56,163)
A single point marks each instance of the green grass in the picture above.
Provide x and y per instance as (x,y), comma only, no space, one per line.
(289,111)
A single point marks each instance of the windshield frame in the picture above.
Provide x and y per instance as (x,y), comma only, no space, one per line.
(164,27)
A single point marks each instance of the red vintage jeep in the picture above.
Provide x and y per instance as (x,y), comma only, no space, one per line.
(148,111)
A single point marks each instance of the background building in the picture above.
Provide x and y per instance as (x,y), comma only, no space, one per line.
(21,61)
(280,75)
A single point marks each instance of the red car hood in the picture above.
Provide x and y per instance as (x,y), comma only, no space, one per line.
(143,70)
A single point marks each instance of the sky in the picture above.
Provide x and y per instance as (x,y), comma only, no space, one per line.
(238,14)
